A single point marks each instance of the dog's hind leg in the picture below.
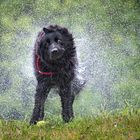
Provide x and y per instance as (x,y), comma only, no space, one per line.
(78,84)
(40,97)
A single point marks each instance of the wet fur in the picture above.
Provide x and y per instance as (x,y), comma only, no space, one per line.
(65,69)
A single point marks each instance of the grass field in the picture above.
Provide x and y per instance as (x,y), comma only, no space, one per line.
(120,126)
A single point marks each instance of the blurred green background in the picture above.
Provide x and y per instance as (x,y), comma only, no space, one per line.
(107,36)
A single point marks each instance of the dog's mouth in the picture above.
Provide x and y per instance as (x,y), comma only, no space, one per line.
(52,57)
(55,54)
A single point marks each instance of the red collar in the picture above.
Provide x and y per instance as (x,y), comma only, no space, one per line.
(37,63)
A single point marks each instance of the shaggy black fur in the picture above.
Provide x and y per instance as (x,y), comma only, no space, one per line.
(55,47)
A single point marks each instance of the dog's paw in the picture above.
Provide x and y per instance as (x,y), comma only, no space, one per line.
(32,122)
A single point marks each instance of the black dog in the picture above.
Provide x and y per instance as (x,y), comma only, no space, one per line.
(55,63)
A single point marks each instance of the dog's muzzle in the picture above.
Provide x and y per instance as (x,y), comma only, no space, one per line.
(55,52)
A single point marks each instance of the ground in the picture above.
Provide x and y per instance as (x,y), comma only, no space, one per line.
(120,126)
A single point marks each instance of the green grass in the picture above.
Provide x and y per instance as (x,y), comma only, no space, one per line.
(120,126)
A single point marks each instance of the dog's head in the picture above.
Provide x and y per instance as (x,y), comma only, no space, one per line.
(54,43)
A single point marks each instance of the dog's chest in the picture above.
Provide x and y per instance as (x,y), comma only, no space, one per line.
(58,79)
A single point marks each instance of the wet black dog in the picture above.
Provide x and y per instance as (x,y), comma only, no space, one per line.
(55,63)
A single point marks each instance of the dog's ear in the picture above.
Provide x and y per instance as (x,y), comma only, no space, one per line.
(64,30)
(46,30)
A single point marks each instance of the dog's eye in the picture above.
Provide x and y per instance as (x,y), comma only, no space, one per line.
(56,39)
(60,42)
(48,41)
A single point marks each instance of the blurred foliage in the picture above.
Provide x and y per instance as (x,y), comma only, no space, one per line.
(112,29)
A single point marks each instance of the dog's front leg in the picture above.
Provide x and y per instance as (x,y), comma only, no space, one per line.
(40,97)
(67,99)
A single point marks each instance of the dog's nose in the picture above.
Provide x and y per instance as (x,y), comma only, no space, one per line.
(54,51)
